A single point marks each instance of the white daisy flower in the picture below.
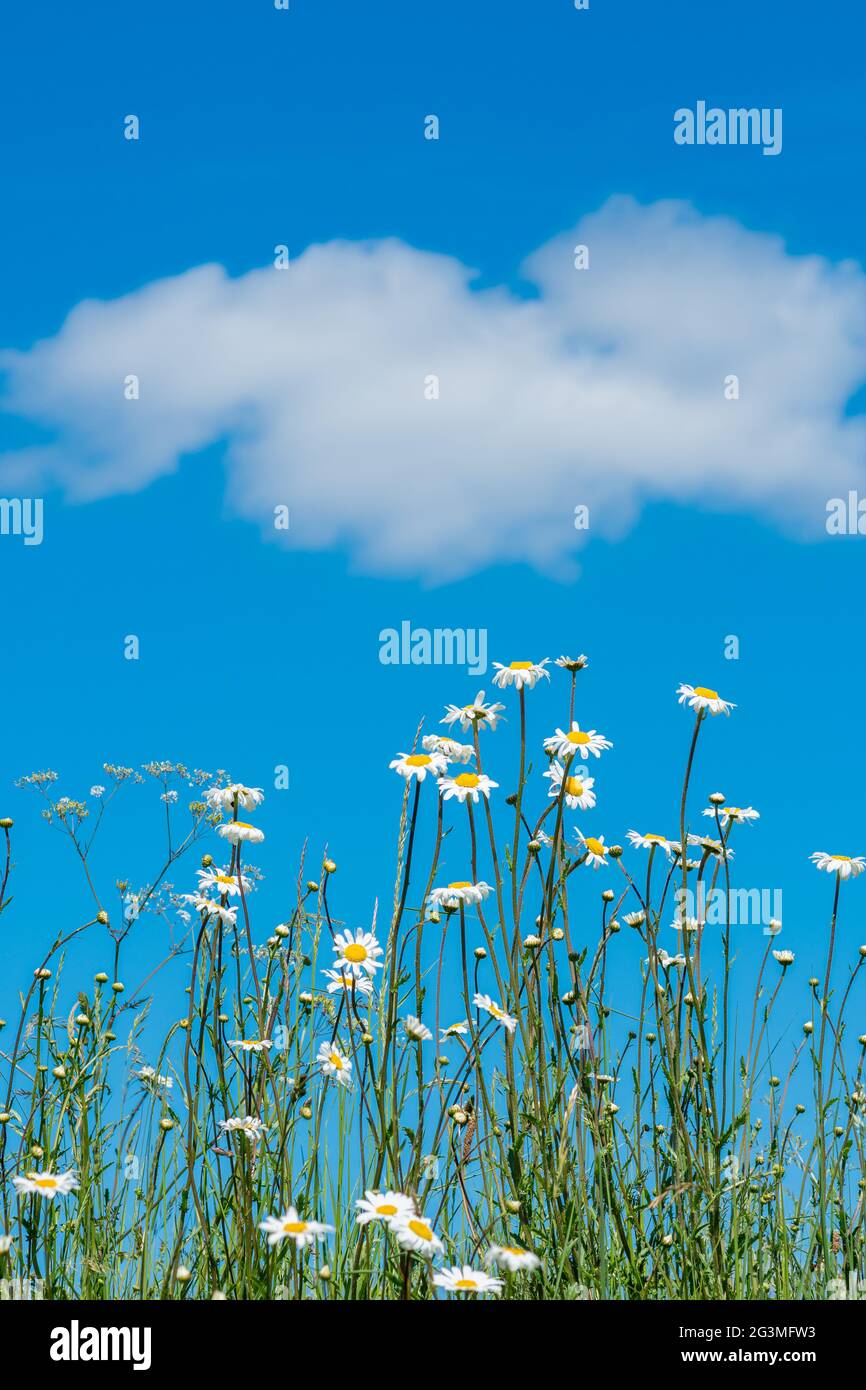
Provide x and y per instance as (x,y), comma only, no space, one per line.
(740,815)
(460,891)
(521,673)
(686,924)
(476,713)
(223,798)
(700,698)
(596,850)
(383,1206)
(220,882)
(840,864)
(227,915)
(48,1185)
(666,961)
(634,919)
(578,790)
(348,981)
(450,748)
(513,1258)
(251,1044)
(414,1232)
(416,1029)
(649,841)
(334,1063)
(252,1127)
(237,830)
(576,742)
(291,1227)
(784,957)
(454,1030)
(152,1075)
(483,1001)
(472,784)
(573,663)
(411,765)
(465,1279)
(707,843)
(359,953)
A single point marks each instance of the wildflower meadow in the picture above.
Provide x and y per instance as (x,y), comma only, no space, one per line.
(439,1095)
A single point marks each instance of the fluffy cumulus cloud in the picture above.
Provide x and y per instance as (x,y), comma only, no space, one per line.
(605,388)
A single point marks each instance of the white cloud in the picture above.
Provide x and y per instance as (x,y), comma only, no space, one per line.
(605,389)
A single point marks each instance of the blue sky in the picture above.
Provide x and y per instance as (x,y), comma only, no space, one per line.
(261,128)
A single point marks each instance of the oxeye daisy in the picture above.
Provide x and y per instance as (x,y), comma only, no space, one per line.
(710,845)
(477,714)
(578,793)
(291,1227)
(460,891)
(596,849)
(465,1279)
(227,915)
(383,1206)
(219,882)
(48,1185)
(237,830)
(223,798)
(411,765)
(471,784)
(577,742)
(651,842)
(784,957)
(415,1232)
(249,1125)
(513,1258)
(454,1030)
(740,815)
(416,1030)
(483,1001)
(450,748)
(666,961)
(840,864)
(699,697)
(251,1044)
(334,1063)
(347,981)
(573,663)
(359,953)
(521,673)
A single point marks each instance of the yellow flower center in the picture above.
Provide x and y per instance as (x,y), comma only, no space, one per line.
(595,846)
(705,693)
(226,878)
(47,1182)
(356,953)
(577,736)
(574,786)
(465,1284)
(418,760)
(843,858)
(520,666)
(294,1228)
(656,839)
(420,1229)
(513,1250)
(336,1061)
(460,883)
(243,825)
(386,1209)
(495,1010)
(467,779)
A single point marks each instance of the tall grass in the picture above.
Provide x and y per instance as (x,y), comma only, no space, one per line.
(632,1139)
